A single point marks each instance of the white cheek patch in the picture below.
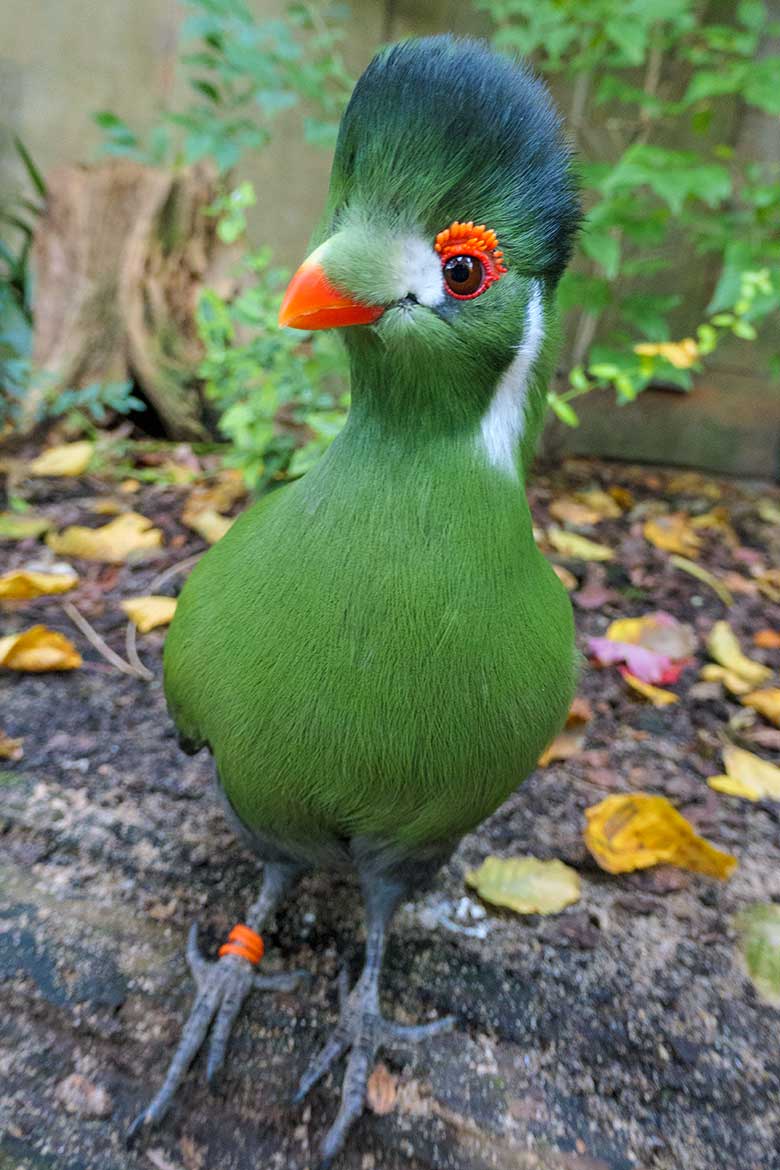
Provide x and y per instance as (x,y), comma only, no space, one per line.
(418,270)
(502,425)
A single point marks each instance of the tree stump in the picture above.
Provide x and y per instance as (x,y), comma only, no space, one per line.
(120,256)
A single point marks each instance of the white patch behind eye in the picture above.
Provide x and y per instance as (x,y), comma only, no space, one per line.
(502,424)
(419,271)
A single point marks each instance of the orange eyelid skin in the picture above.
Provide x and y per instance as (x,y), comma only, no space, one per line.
(470,239)
(311,302)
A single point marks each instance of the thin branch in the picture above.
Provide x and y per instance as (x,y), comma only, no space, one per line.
(102,646)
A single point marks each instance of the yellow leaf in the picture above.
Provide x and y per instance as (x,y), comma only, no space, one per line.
(525,884)
(567,579)
(565,745)
(693,483)
(657,695)
(569,544)
(37,650)
(24,584)
(681,354)
(769,511)
(113,542)
(219,496)
(606,505)
(766,702)
(731,681)
(10,749)
(15,527)
(625,833)
(210,525)
(705,576)
(106,506)
(659,632)
(672,533)
(723,646)
(146,613)
(572,511)
(66,459)
(718,520)
(747,775)
(769,584)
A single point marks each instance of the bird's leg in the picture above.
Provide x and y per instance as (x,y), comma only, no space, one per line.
(221,988)
(361,1029)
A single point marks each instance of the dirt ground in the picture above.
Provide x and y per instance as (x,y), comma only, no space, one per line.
(621,1034)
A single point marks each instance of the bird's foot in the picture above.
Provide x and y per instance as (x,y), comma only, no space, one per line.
(221,988)
(362,1031)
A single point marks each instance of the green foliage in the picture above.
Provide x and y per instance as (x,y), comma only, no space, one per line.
(91,404)
(652,74)
(280,393)
(242,73)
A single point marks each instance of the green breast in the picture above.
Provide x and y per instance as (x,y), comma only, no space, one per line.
(377,649)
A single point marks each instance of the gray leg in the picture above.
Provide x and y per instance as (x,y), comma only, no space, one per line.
(361,1028)
(221,989)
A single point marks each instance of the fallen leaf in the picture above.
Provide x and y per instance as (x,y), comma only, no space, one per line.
(657,696)
(16,527)
(768,582)
(681,354)
(769,511)
(644,664)
(747,775)
(565,746)
(672,533)
(10,749)
(716,520)
(595,593)
(220,496)
(381,1090)
(693,483)
(622,496)
(625,833)
(766,702)
(731,681)
(25,584)
(767,639)
(566,578)
(130,486)
(759,928)
(146,613)
(723,646)
(113,542)
(705,576)
(82,1097)
(579,548)
(37,650)
(65,459)
(106,506)
(658,631)
(572,511)
(525,884)
(605,504)
(210,525)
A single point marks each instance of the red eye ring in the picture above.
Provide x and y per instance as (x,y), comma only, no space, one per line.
(490,273)
(462,241)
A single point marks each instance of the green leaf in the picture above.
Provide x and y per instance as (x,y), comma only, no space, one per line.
(762,85)
(604,248)
(759,928)
(34,175)
(565,412)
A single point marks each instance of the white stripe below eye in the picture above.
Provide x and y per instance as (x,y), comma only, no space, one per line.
(502,426)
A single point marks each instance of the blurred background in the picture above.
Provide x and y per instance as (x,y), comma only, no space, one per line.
(163,163)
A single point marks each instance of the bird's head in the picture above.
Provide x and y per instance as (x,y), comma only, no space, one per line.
(449,220)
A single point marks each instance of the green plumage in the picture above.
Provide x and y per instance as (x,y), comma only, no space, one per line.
(379,651)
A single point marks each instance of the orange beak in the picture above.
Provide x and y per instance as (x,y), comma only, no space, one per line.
(311,302)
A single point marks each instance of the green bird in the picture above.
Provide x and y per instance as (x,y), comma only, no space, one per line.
(377,654)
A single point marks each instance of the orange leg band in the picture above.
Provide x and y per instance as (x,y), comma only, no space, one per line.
(245,942)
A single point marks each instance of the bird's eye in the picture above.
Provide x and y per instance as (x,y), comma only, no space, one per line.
(464,275)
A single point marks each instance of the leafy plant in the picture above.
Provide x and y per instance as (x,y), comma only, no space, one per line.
(242,73)
(654,74)
(280,393)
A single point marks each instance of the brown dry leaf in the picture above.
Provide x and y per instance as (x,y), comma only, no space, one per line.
(146,613)
(565,746)
(625,833)
(767,639)
(766,702)
(10,749)
(572,511)
(25,584)
(731,680)
(16,527)
(579,548)
(525,884)
(112,543)
(606,504)
(657,695)
(723,646)
(65,459)
(673,533)
(381,1090)
(693,483)
(38,650)
(210,525)
(681,354)
(622,496)
(747,775)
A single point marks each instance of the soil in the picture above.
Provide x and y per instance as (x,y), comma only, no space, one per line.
(621,1034)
